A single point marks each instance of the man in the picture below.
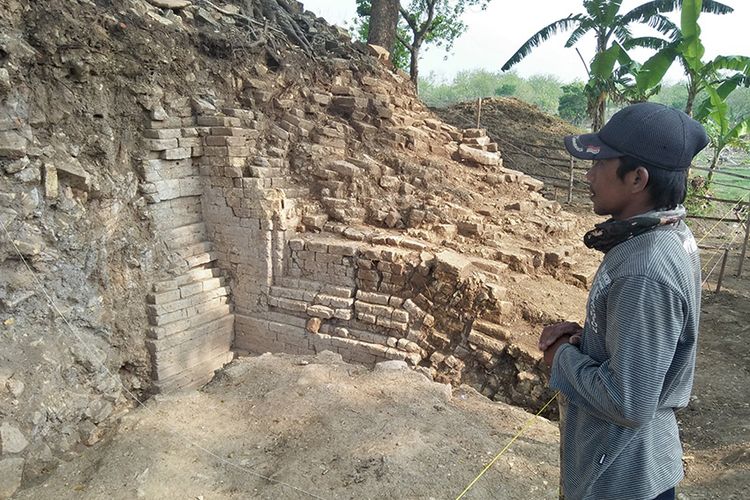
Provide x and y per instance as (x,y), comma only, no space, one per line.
(631,365)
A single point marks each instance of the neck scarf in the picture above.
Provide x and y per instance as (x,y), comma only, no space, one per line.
(605,236)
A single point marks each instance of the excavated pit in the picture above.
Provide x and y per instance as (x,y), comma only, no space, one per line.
(189,186)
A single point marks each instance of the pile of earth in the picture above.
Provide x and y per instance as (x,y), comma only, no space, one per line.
(531,140)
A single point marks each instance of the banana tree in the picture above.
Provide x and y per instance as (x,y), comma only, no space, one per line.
(685,46)
(722,131)
(604,20)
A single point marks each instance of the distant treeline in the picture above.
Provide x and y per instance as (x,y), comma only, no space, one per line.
(546,91)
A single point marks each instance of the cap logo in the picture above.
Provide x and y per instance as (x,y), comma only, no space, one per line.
(593,149)
(579,147)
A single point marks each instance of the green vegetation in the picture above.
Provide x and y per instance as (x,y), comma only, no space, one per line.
(547,91)
(572,105)
(542,90)
(421,22)
(611,29)
(732,188)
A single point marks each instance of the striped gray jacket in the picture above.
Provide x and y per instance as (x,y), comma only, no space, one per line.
(634,367)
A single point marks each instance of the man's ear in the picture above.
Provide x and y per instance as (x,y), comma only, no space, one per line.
(639,180)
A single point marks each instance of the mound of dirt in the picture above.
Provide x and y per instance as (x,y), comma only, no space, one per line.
(531,140)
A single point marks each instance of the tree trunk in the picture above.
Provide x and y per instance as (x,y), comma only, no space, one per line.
(712,167)
(597,121)
(414,63)
(692,91)
(600,106)
(384,16)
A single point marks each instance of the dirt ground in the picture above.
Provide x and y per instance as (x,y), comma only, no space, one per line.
(321,428)
(716,425)
(318,425)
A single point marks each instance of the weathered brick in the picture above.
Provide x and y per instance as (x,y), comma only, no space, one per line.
(320,311)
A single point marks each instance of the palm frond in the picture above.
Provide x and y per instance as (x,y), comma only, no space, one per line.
(648,9)
(711,7)
(622,33)
(651,14)
(540,36)
(610,10)
(581,30)
(645,11)
(646,42)
(664,25)
(733,63)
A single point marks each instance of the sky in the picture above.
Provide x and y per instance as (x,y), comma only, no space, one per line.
(495,34)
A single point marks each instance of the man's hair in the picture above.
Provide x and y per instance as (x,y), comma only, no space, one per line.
(667,188)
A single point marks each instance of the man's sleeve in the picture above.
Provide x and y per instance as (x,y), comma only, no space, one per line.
(645,320)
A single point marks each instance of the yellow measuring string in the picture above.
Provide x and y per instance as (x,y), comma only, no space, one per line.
(722,219)
(525,426)
(714,254)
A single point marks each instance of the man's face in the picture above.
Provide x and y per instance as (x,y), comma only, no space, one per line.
(610,194)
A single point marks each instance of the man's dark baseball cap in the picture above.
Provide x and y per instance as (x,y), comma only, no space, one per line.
(653,133)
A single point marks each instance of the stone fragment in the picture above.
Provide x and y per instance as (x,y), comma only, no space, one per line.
(345,168)
(521,206)
(491,329)
(381,53)
(11,472)
(341,332)
(99,410)
(74,174)
(469,228)
(90,433)
(170,4)
(4,81)
(313,325)
(16,166)
(392,219)
(531,183)
(30,174)
(554,258)
(159,114)
(471,133)
(452,265)
(15,387)
(391,365)
(478,141)
(12,439)
(486,343)
(478,156)
(319,311)
(12,144)
(51,186)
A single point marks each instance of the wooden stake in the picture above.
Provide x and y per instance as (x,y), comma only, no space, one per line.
(744,245)
(570,180)
(721,271)
(479,111)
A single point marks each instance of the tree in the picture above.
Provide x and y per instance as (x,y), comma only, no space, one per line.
(717,79)
(399,54)
(572,103)
(603,18)
(384,16)
(506,89)
(685,45)
(542,91)
(422,22)
(722,128)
